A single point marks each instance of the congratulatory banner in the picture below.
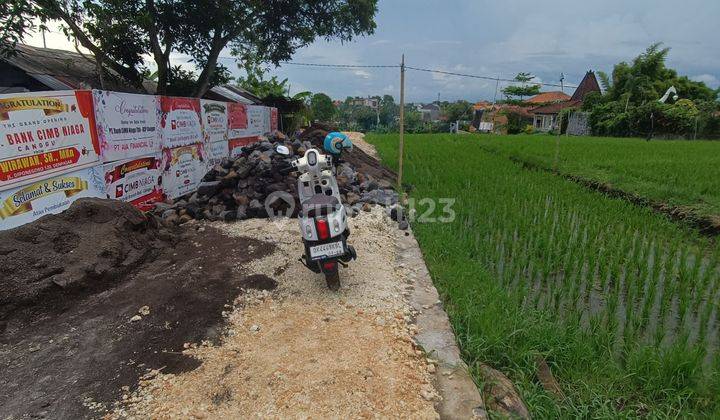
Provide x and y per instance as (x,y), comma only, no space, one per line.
(50,196)
(127,124)
(136,181)
(45,133)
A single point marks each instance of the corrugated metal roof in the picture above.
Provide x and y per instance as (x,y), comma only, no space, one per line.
(50,81)
(61,69)
(231,95)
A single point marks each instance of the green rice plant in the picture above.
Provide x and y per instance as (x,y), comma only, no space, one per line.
(677,173)
(620,300)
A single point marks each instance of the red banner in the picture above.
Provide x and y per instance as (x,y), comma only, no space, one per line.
(42,133)
(237,116)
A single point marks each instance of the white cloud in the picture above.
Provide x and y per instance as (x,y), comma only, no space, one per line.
(362,74)
(708,79)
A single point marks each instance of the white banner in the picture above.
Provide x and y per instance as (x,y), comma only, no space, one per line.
(127,124)
(215,120)
(215,152)
(45,133)
(248,121)
(184,168)
(136,181)
(180,123)
(257,119)
(24,204)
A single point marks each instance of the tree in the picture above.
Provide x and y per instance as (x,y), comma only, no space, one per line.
(524,88)
(254,81)
(388,111)
(630,107)
(322,107)
(460,110)
(647,78)
(120,32)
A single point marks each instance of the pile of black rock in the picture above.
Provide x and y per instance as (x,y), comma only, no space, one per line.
(238,188)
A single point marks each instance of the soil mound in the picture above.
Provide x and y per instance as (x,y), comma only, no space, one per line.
(93,243)
(357,158)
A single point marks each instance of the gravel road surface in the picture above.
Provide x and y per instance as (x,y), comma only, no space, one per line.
(301,350)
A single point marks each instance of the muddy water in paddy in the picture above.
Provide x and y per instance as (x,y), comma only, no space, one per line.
(636,292)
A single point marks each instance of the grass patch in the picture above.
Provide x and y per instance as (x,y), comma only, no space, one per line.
(621,302)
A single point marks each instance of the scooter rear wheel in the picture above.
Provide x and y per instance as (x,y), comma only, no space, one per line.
(333,280)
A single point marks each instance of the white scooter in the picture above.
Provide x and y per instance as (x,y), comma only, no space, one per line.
(322,218)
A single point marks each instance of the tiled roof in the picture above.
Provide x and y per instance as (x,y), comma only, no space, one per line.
(482,105)
(547,97)
(556,107)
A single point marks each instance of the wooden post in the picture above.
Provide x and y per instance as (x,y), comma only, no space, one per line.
(402,123)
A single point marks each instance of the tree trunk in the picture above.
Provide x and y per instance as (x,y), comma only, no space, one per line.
(158,53)
(203,81)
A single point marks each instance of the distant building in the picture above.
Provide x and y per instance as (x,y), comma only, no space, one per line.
(373,103)
(37,69)
(548,98)
(545,117)
(429,112)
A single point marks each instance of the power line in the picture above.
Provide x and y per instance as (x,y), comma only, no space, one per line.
(495,79)
(349,66)
(449,73)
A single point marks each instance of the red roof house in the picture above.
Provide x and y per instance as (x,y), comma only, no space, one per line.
(548,97)
(545,116)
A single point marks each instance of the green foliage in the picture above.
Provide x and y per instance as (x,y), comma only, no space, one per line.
(255,81)
(630,104)
(322,108)
(388,111)
(536,265)
(517,121)
(120,33)
(362,118)
(522,89)
(182,81)
(459,110)
(18,19)
(564,117)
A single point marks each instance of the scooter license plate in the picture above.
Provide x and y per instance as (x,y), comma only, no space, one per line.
(332,249)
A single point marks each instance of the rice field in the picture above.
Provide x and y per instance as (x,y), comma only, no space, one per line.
(679,173)
(621,302)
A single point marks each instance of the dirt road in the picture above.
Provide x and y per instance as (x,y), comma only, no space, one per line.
(224,321)
(301,350)
(70,352)
(358,140)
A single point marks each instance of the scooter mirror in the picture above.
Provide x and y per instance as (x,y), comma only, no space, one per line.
(283,150)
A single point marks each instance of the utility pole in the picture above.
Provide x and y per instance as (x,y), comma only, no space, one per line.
(562,85)
(402,122)
(43,35)
(497,84)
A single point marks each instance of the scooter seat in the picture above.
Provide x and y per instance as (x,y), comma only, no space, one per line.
(320,205)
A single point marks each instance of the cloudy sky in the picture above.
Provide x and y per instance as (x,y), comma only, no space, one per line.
(499,39)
